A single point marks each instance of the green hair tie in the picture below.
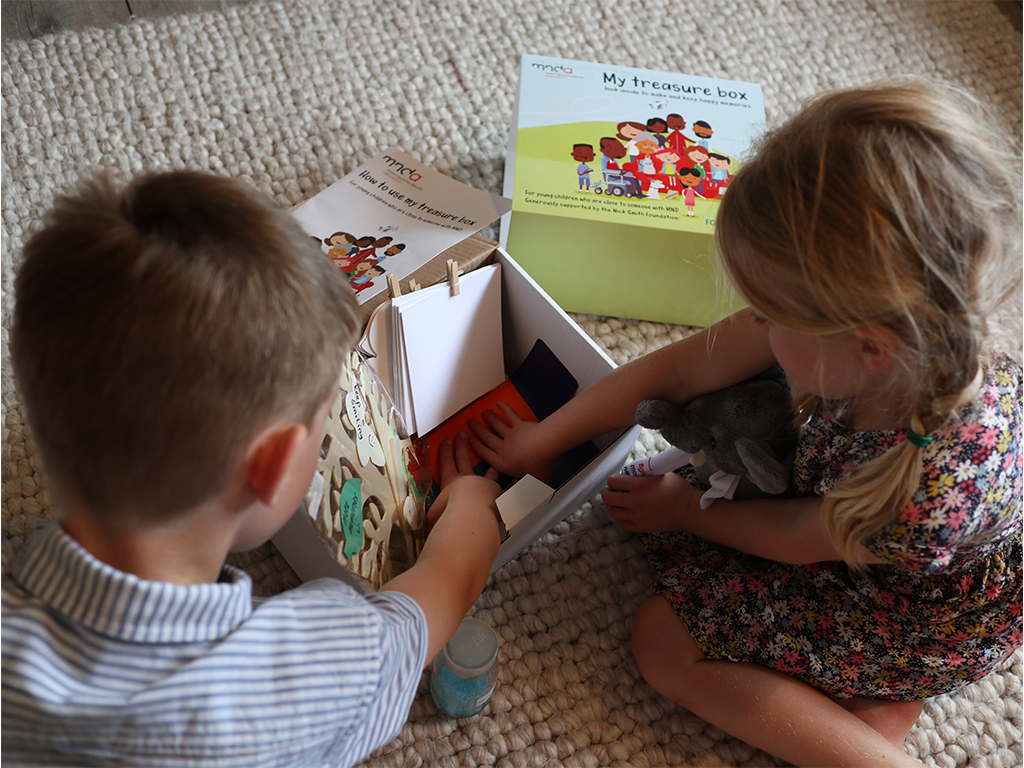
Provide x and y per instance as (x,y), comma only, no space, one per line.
(919,440)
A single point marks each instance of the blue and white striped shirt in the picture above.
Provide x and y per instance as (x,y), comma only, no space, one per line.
(101,667)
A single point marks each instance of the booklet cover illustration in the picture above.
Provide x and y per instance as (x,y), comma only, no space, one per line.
(392,215)
(616,175)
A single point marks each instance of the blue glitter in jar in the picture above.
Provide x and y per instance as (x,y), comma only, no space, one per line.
(465,672)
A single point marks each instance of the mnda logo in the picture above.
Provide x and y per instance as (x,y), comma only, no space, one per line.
(554,68)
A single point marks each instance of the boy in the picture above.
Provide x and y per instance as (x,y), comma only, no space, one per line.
(364,274)
(583,154)
(177,345)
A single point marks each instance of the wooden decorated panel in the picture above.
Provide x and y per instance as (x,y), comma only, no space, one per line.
(372,503)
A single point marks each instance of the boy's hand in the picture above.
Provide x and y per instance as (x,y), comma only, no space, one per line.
(652,503)
(458,481)
(457,556)
(512,445)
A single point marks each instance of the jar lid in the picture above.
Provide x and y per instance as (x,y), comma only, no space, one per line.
(472,649)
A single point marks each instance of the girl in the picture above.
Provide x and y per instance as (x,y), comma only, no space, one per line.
(872,237)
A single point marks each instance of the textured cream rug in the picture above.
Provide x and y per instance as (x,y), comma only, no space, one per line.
(291,96)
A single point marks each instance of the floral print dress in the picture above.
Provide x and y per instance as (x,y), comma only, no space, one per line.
(942,610)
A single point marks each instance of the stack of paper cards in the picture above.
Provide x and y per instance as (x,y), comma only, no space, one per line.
(445,349)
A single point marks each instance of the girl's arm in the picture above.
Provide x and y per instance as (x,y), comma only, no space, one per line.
(726,353)
(784,530)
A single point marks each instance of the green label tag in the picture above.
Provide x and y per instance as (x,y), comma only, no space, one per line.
(351,513)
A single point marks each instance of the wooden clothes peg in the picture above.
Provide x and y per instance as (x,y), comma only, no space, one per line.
(394,287)
(453,276)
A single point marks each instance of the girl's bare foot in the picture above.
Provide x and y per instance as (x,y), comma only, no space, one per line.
(892,719)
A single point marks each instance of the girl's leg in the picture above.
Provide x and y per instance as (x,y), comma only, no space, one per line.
(769,709)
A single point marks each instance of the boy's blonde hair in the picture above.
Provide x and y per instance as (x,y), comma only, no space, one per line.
(884,206)
(159,329)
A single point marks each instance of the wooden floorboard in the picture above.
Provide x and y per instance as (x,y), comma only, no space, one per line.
(26,19)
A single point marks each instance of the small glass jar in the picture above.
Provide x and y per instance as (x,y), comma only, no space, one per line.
(465,672)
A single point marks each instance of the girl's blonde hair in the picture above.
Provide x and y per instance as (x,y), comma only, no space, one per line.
(884,206)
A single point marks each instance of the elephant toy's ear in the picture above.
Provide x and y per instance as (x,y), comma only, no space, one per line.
(763,467)
(656,414)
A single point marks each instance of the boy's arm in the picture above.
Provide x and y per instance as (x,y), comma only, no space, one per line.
(453,567)
(728,352)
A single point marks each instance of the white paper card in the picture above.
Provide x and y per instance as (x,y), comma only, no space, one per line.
(521,499)
(452,346)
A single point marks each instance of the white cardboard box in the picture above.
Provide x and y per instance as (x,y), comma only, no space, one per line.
(528,314)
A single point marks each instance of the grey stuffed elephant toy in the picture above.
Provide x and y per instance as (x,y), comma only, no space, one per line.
(747,429)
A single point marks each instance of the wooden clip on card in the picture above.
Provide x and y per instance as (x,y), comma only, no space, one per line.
(453,276)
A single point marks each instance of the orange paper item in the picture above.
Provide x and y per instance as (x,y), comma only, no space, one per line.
(505,392)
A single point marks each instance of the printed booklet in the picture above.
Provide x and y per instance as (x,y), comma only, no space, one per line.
(616,175)
(392,215)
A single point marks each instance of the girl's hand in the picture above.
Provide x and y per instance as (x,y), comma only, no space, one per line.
(651,503)
(511,445)
(459,485)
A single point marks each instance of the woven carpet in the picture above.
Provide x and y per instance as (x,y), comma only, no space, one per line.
(291,96)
